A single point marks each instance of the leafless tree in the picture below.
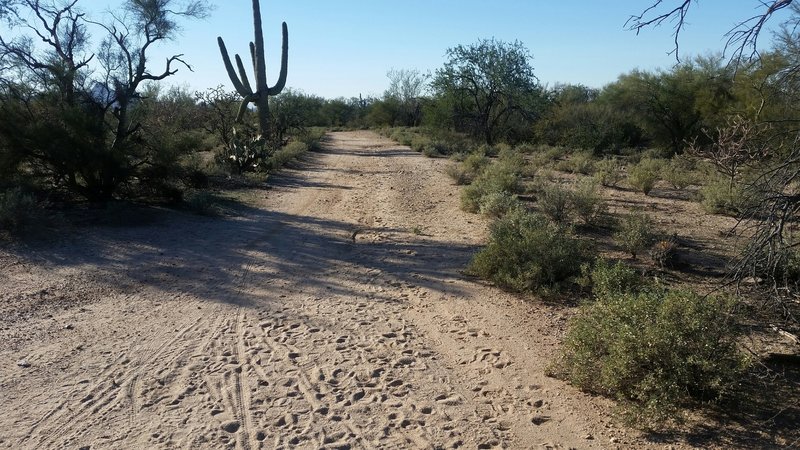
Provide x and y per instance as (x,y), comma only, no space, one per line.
(142,25)
(62,29)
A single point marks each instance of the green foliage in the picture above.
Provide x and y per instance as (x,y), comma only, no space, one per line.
(555,202)
(721,196)
(679,172)
(285,154)
(526,252)
(17,209)
(578,162)
(578,120)
(655,351)
(495,178)
(635,233)
(468,169)
(608,279)
(486,89)
(643,176)
(673,107)
(498,204)
(608,171)
(587,202)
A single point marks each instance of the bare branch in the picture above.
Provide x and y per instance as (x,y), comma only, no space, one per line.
(742,42)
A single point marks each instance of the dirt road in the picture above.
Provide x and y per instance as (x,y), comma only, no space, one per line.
(329,313)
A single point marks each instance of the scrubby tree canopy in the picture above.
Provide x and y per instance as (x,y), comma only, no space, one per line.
(487,86)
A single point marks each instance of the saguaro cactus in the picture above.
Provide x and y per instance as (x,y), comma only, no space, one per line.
(259,97)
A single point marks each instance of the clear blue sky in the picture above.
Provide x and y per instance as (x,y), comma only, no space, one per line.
(345,47)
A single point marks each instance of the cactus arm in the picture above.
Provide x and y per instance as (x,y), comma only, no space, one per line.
(231,72)
(275,90)
(261,65)
(245,81)
(253,54)
(243,106)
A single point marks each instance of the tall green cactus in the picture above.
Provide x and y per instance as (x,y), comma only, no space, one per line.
(260,96)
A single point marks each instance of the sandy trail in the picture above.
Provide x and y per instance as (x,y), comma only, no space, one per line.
(331,313)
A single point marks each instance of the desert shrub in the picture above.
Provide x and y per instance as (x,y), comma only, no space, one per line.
(495,178)
(488,150)
(610,279)
(202,202)
(526,148)
(476,162)
(655,351)
(664,252)
(644,175)
(587,202)
(526,252)
(501,148)
(719,196)
(635,233)
(471,166)
(512,161)
(546,156)
(578,162)
(438,148)
(459,174)
(608,171)
(418,142)
(679,172)
(16,209)
(555,202)
(498,204)
(401,136)
(284,155)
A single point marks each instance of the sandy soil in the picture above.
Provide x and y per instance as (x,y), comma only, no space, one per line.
(328,313)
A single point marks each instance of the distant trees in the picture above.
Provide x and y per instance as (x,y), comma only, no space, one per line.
(485,88)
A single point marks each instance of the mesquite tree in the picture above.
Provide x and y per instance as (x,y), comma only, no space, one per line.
(259,96)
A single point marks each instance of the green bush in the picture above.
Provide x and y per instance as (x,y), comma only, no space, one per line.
(284,155)
(608,171)
(528,253)
(635,233)
(495,178)
(16,209)
(611,279)
(419,142)
(655,351)
(720,197)
(679,172)
(498,204)
(202,202)
(578,162)
(555,202)
(545,156)
(587,203)
(469,168)
(644,175)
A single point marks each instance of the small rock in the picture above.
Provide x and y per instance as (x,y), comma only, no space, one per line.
(613,440)
(588,437)
(23,363)
(231,426)
(69,326)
